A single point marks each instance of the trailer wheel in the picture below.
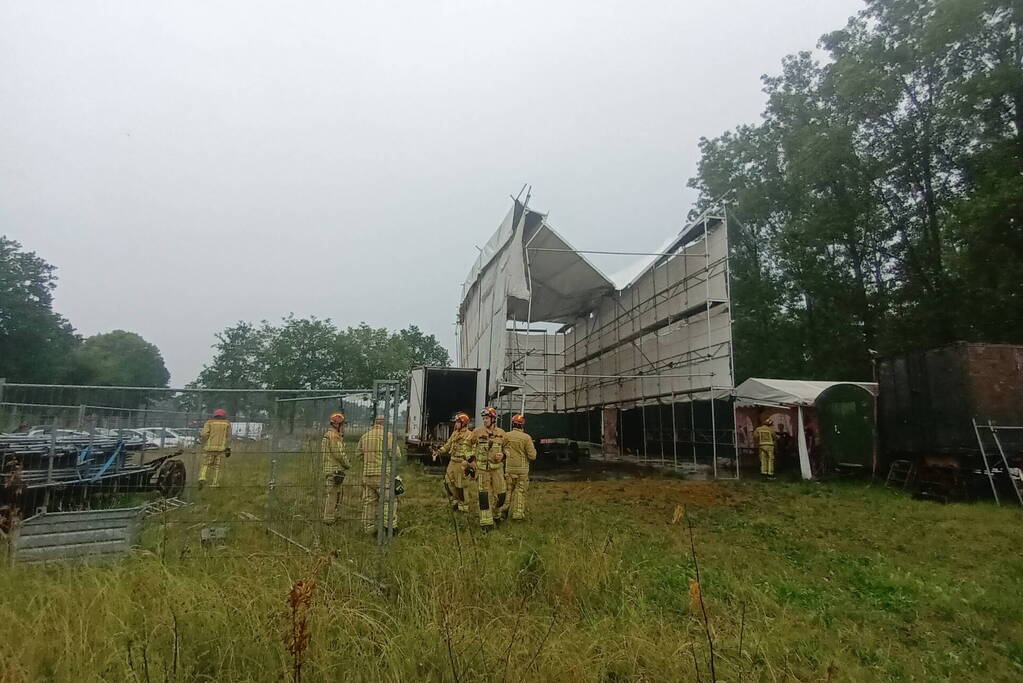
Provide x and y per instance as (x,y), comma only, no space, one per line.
(170,479)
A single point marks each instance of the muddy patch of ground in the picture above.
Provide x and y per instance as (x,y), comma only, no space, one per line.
(651,497)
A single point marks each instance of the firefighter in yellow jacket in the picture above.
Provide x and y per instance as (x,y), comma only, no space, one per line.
(461,447)
(372,452)
(763,437)
(335,465)
(216,445)
(489,466)
(519,451)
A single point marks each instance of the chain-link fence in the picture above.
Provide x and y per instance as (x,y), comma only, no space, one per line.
(263,479)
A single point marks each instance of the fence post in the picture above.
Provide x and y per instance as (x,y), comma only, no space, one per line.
(392,496)
(383,460)
(49,465)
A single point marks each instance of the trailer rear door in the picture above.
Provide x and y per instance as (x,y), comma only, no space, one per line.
(481,394)
(416,401)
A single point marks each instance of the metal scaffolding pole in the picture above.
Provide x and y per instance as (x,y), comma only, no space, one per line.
(710,342)
(674,433)
(642,409)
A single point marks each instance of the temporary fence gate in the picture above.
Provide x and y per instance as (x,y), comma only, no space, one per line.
(67,448)
(1000,446)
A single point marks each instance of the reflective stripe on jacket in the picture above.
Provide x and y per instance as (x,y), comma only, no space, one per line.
(518,450)
(215,435)
(763,436)
(333,450)
(371,449)
(461,445)
(488,444)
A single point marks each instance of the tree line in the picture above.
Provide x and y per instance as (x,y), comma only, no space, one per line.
(877,206)
(312,353)
(38,345)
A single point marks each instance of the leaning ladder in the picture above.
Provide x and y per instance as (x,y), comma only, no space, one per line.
(1001,452)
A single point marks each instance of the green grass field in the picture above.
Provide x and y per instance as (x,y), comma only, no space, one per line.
(839,582)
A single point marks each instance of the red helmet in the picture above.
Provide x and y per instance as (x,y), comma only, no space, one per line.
(462,417)
(219,412)
(489,412)
(340,417)
(518,419)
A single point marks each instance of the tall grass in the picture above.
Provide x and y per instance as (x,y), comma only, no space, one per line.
(837,582)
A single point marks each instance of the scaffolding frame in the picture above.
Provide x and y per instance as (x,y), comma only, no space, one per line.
(641,315)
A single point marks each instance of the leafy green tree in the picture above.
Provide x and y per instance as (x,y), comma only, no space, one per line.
(119,358)
(877,206)
(309,353)
(35,342)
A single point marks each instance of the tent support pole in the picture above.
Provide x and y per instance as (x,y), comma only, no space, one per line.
(804,454)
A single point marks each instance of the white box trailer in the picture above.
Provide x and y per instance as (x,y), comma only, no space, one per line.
(435,395)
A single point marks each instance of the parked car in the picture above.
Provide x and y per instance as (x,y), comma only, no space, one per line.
(69,433)
(137,435)
(163,437)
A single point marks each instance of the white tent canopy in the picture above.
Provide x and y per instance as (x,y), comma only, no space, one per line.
(787,392)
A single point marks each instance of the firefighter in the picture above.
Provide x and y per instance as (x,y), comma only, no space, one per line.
(519,451)
(335,464)
(371,450)
(763,437)
(489,466)
(216,445)
(460,446)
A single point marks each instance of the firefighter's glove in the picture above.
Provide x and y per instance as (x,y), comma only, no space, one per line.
(227,452)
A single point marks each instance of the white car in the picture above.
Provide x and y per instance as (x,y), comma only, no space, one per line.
(162,437)
(184,438)
(61,433)
(136,435)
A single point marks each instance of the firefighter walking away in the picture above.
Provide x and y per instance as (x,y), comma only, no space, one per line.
(763,437)
(372,451)
(216,445)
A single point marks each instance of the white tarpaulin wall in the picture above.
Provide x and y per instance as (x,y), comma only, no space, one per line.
(665,337)
(498,289)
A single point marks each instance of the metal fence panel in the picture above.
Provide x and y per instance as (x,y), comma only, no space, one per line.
(85,535)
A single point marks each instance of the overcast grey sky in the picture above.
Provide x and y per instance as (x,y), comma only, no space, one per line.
(187,165)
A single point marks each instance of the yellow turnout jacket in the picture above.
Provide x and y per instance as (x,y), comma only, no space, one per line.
(333,450)
(519,450)
(216,434)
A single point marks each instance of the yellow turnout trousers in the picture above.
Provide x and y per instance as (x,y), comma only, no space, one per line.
(371,503)
(518,483)
(766,454)
(335,494)
(455,484)
(492,492)
(211,464)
